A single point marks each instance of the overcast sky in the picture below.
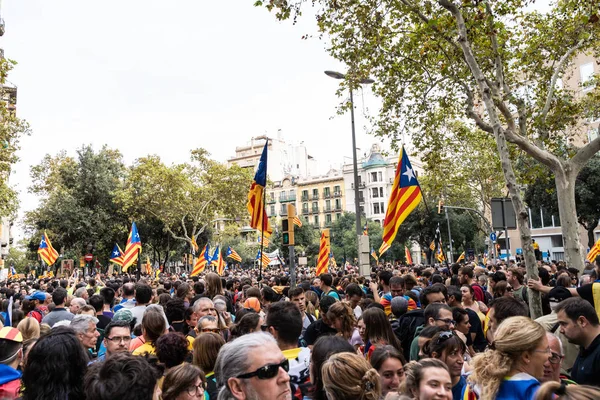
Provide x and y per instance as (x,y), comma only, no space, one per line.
(156,77)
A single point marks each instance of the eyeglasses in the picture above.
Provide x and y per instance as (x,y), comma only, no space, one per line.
(213,330)
(446,320)
(196,389)
(555,358)
(117,339)
(269,371)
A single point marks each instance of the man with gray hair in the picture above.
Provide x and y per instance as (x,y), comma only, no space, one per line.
(85,328)
(252,368)
(553,365)
(204,306)
(81,293)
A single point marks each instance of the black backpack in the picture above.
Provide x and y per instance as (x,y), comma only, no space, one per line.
(406,327)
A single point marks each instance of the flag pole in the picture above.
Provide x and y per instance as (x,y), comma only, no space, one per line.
(262,222)
(139,265)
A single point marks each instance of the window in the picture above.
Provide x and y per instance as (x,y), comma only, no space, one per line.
(315,193)
(305,194)
(362,210)
(586,72)
(380,192)
(283,209)
(557,241)
(315,206)
(375,193)
(327,192)
(546,219)
(375,208)
(380,176)
(536,218)
(338,216)
(373,176)
(328,219)
(327,205)
(316,220)
(272,196)
(292,194)
(361,196)
(382,208)
(305,207)
(338,204)
(272,213)
(336,190)
(359,180)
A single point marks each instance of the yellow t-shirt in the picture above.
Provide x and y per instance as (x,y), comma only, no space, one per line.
(146,348)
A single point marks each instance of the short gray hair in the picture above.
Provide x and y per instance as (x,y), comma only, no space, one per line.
(79,301)
(201,300)
(81,322)
(208,318)
(79,292)
(234,359)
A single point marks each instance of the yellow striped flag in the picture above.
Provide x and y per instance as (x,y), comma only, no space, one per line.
(201,262)
(264,258)
(461,257)
(594,251)
(405,196)
(134,244)
(366,230)
(265,240)
(374,254)
(219,263)
(382,249)
(407,255)
(194,244)
(231,253)
(432,245)
(46,251)
(297,221)
(440,254)
(148,266)
(324,251)
(256,206)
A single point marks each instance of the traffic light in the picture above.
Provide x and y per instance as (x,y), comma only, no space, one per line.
(440,205)
(287,226)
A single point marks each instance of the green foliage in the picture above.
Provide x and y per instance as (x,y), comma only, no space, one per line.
(16,257)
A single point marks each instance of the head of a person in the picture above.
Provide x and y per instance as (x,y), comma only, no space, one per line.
(171,349)
(397,286)
(577,320)
(354,294)
(341,316)
(425,336)
(384,278)
(440,315)
(117,337)
(108,294)
(11,347)
(269,296)
(296,296)
(448,347)
(175,310)
(208,323)
(514,276)
(204,306)
(389,363)
(378,328)
(502,289)
(97,302)
(123,376)
(214,286)
(519,344)
(85,328)
(436,293)
(206,350)
(253,367)
(467,292)
(77,303)
(399,306)
(552,390)
(82,293)
(190,317)
(503,308)
(248,323)
(427,379)
(284,322)
(349,376)
(59,296)
(184,291)
(128,290)
(326,280)
(184,382)
(324,304)
(325,347)
(461,318)
(552,368)
(465,275)
(143,294)
(29,328)
(55,366)
(153,325)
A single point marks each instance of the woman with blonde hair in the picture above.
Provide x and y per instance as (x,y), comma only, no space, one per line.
(559,391)
(342,318)
(29,328)
(514,364)
(214,286)
(349,376)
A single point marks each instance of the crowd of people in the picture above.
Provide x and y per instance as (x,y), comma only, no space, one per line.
(404,332)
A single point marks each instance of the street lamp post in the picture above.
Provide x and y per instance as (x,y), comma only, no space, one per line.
(338,75)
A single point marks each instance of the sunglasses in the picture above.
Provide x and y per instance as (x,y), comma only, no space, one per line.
(213,330)
(269,371)
(444,336)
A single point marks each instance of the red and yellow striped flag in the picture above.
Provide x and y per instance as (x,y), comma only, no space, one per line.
(263,258)
(200,263)
(134,244)
(297,221)
(256,205)
(46,251)
(407,255)
(324,251)
(594,252)
(461,257)
(148,266)
(404,197)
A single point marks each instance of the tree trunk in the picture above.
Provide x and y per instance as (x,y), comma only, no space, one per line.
(565,192)
(535,300)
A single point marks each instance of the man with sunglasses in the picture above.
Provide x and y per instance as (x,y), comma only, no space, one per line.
(253,368)
(552,369)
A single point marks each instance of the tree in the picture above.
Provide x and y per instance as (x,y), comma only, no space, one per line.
(77,204)
(17,258)
(542,195)
(185,197)
(495,64)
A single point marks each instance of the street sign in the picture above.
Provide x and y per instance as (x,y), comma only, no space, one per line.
(88,257)
(493,237)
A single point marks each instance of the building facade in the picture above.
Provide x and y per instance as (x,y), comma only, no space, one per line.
(321,199)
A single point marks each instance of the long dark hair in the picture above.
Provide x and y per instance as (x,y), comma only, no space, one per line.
(324,347)
(55,367)
(378,328)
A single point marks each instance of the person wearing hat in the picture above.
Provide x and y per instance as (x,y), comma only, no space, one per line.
(36,299)
(11,354)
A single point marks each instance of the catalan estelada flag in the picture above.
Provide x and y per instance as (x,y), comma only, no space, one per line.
(404,197)
(594,251)
(264,258)
(297,221)
(324,251)
(46,251)
(440,253)
(256,206)
(194,244)
(265,240)
(461,257)
(231,253)
(201,262)
(332,261)
(117,255)
(374,254)
(134,244)
(407,255)
(217,261)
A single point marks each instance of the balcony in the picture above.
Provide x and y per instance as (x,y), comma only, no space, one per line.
(315,197)
(327,209)
(305,211)
(361,185)
(315,210)
(271,200)
(338,207)
(326,195)
(337,194)
(328,224)
(304,198)
(284,199)
(283,212)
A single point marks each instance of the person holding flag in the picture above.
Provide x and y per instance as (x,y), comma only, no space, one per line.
(461,257)
(366,230)
(404,198)
(133,247)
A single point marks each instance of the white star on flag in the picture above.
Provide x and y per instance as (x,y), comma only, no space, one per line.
(409,173)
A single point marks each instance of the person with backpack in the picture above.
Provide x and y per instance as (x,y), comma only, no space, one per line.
(326,286)
(465,276)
